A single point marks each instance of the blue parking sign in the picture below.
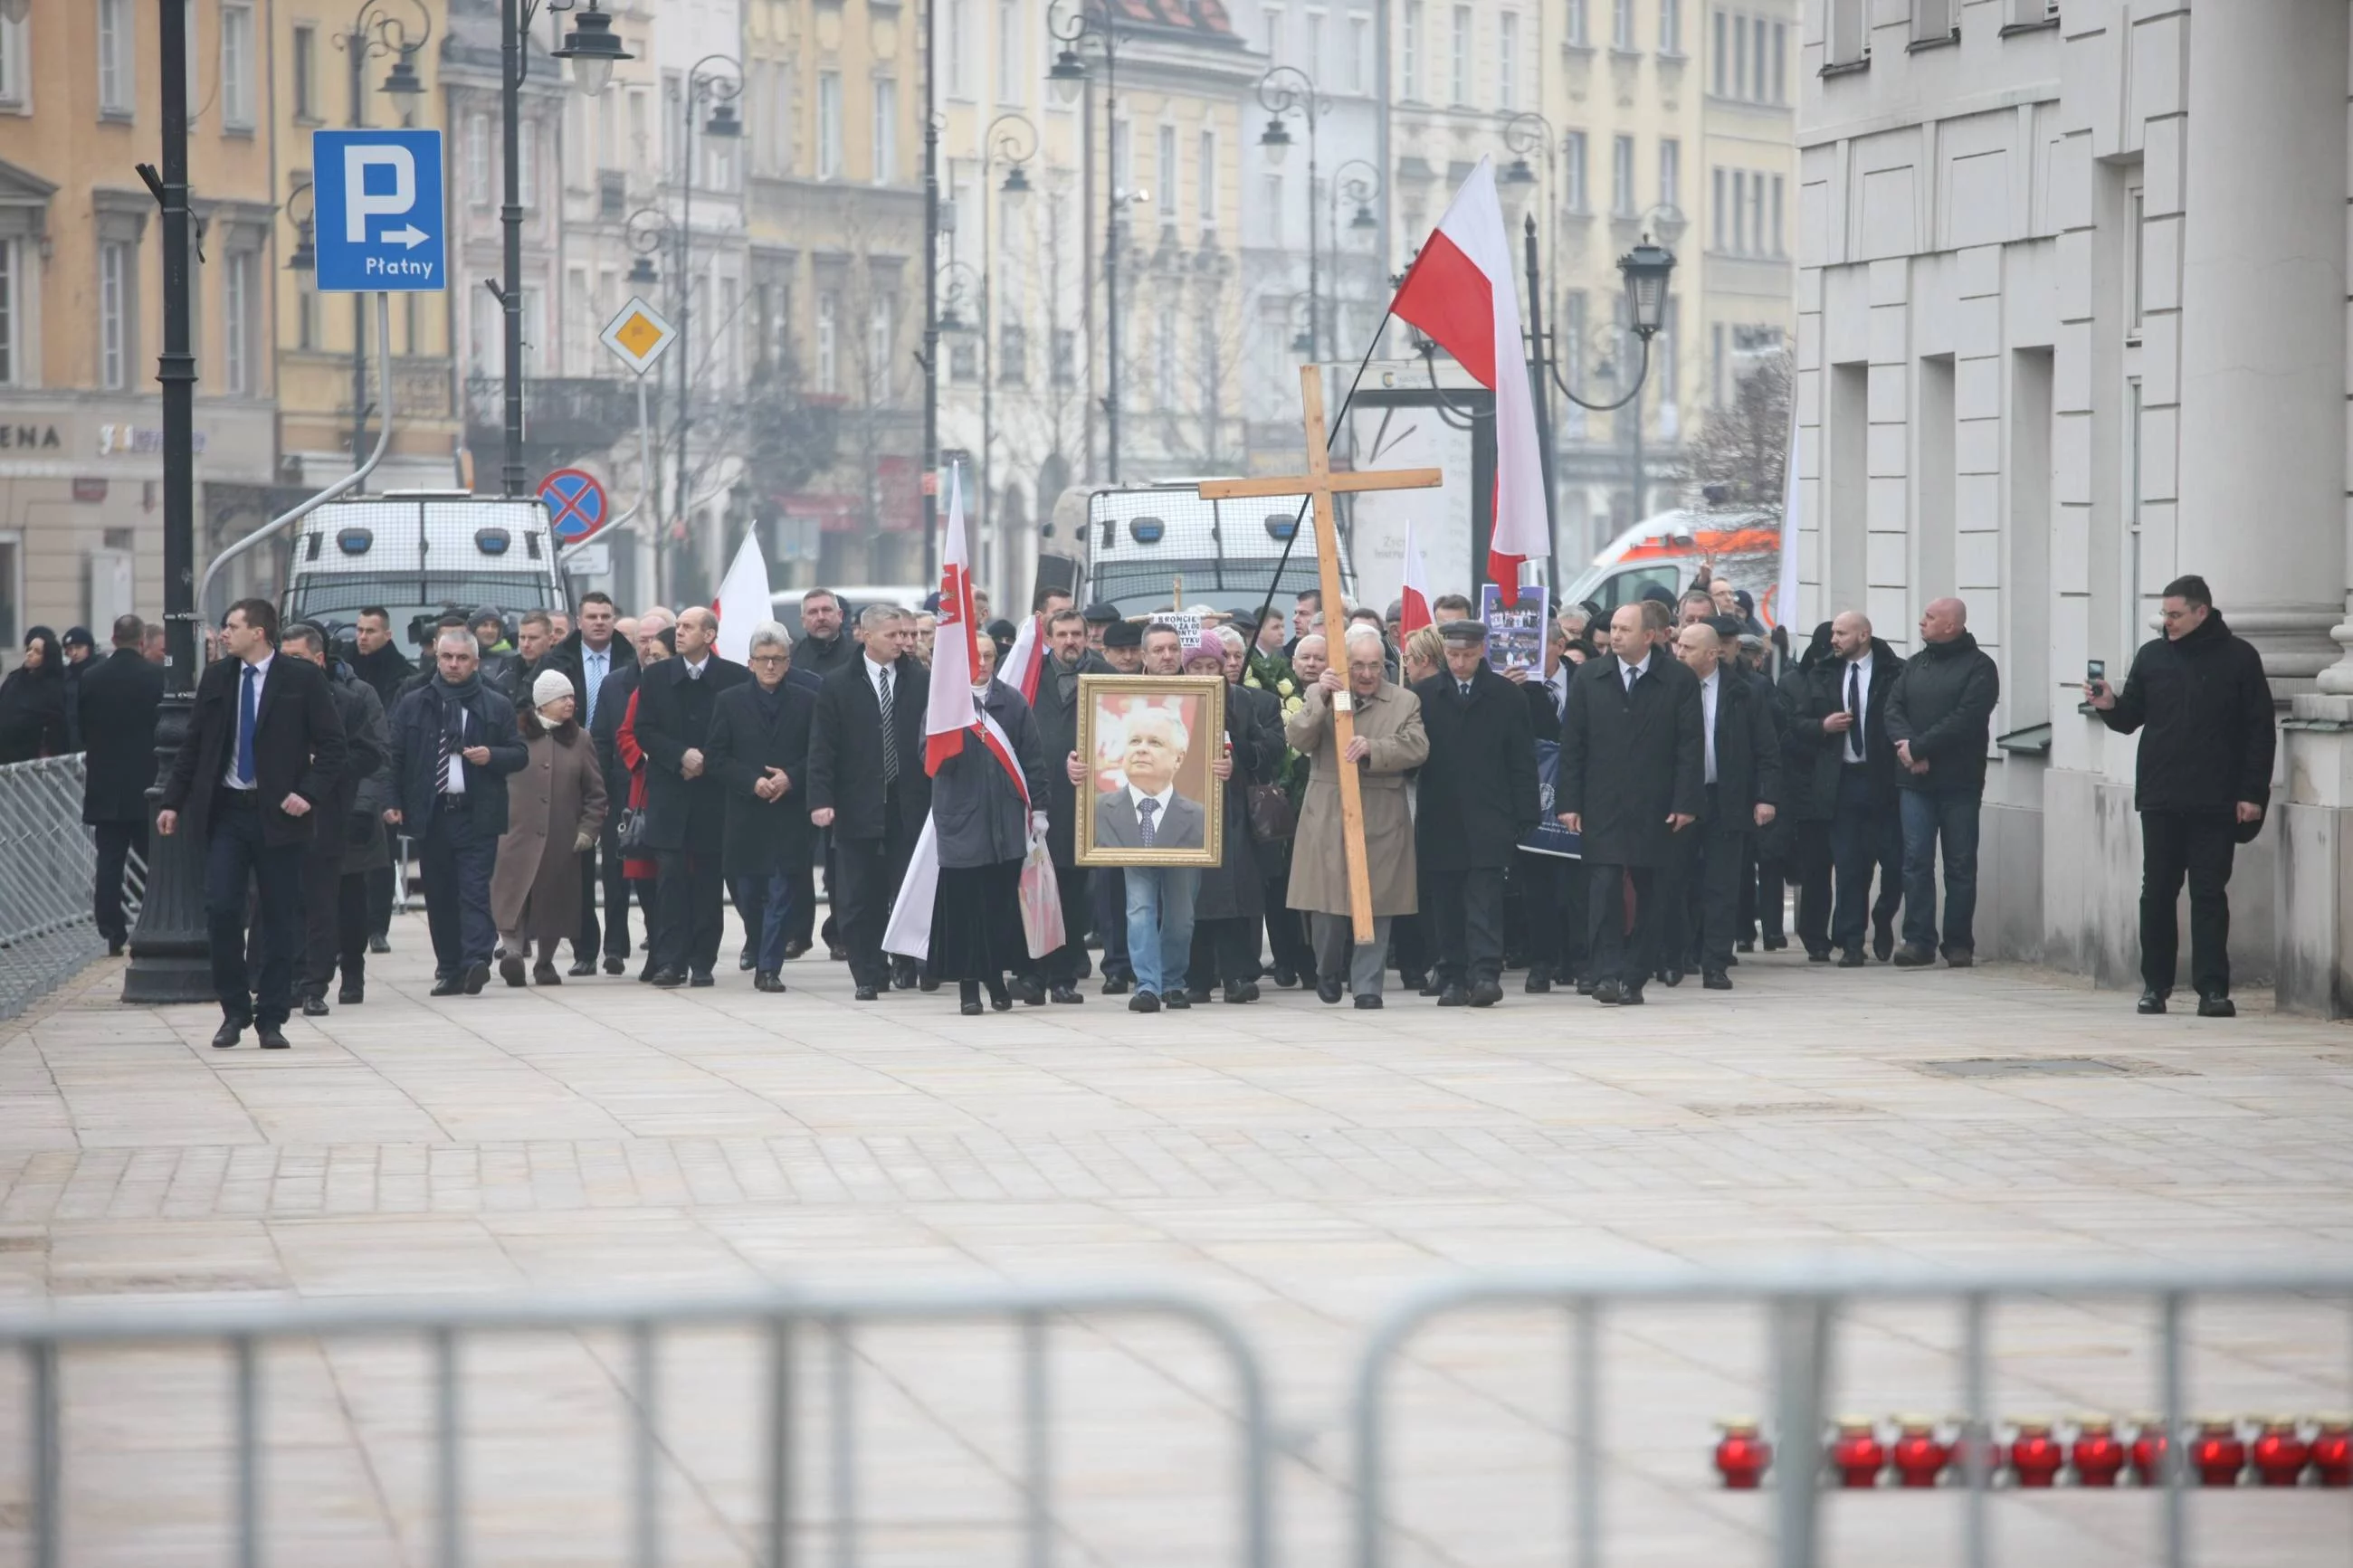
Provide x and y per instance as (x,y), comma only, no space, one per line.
(380,224)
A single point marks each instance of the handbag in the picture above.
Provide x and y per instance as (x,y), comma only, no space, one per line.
(631,832)
(1041,901)
(1273,817)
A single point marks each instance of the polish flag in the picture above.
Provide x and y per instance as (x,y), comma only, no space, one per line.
(1460,291)
(1026,659)
(1415,596)
(743,600)
(951,712)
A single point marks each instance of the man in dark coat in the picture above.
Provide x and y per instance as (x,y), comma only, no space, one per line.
(1539,883)
(336,926)
(265,747)
(119,698)
(81,653)
(454,744)
(1055,714)
(2201,783)
(1810,773)
(376,659)
(759,756)
(825,647)
(501,669)
(1740,770)
(1848,718)
(587,656)
(868,785)
(1940,716)
(1477,801)
(685,825)
(612,706)
(1631,763)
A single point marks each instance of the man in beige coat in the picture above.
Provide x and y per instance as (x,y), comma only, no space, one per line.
(1390,742)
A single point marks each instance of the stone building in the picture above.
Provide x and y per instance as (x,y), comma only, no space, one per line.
(2073,321)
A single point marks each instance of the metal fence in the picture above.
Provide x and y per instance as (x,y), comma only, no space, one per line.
(47,931)
(1805,1308)
(646,1329)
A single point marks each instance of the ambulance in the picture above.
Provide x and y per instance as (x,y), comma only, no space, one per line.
(1669,550)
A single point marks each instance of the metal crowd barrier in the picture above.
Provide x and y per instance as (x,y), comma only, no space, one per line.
(1804,1306)
(41,1337)
(47,931)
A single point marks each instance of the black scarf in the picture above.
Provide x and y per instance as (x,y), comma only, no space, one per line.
(771,700)
(464,696)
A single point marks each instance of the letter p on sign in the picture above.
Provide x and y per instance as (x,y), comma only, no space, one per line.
(360,203)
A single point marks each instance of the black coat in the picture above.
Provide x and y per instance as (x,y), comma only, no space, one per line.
(1235,887)
(612,706)
(1478,791)
(825,658)
(980,815)
(1747,753)
(1058,737)
(119,698)
(298,746)
(386,671)
(1543,719)
(1808,769)
(2210,721)
(846,751)
(1826,694)
(763,837)
(365,790)
(76,736)
(416,725)
(1942,704)
(568,659)
(33,714)
(1626,762)
(674,712)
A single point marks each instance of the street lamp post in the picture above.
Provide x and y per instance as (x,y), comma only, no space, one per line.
(1357,181)
(1012,140)
(1068,75)
(646,231)
(377,32)
(1281,91)
(721,90)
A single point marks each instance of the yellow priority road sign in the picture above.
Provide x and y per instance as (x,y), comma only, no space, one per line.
(638,335)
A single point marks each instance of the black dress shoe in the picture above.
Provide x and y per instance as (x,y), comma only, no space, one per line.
(926,982)
(838,955)
(903,975)
(615,965)
(1197,995)
(1775,944)
(1609,993)
(314,1006)
(377,944)
(1115,985)
(645,973)
(1538,983)
(273,1037)
(1415,980)
(796,946)
(1368,1002)
(1585,988)
(1715,980)
(1452,995)
(225,1036)
(1671,978)
(1960,957)
(1177,1001)
(1144,1002)
(1733,963)
(1486,992)
(867,993)
(114,947)
(2215,1004)
(511,969)
(2150,1002)
(582,968)
(1284,979)
(1246,992)
(1744,944)
(1852,958)
(1817,955)
(702,979)
(447,986)
(544,975)
(351,997)
(747,960)
(476,976)
(1027,988)
(1883,940)
(1910,956)
(1000,1000)
(1328,992)
(1066,994)
(668,979)
(767,980)
(971,1009)
(1428,988)
(1631,997)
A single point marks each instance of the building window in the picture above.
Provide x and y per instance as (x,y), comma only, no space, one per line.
(1315,44)
(886,130)
(1164,367)
(1622,176)
(306,73)
(240,302)
(1671,172)
(879,320)
(1739,213)
(1719,64)
(959,48)
(1667,350)
(1461,61)
(117,280)
(829,370)
(306,312)
(1168,188)
(236,67)
(1621,25)
(1931,21)
(1208,183)
(1671,27)
(117,57)
(1066,356)
(527,169)
(1411,81)
(1507,58)
(1573,345)
(478,159)
(1780,82)
(829,125)
(1572,196)
(1012,354)
(1360,54)
(1849,42)
(9,312)
(1780,245)
(1012,80)
(1274,15)
(1716,217)
(1574,26)
(2135,257)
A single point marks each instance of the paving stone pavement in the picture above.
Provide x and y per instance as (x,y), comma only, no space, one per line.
(1299,1166)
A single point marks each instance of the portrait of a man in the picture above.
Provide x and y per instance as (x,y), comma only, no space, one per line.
(1150,798)
(1145,811)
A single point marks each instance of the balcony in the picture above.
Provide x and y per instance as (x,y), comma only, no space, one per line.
(564,418)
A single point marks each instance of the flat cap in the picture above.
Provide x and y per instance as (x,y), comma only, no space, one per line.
(1099,615)
(1468,633)
(1122,633)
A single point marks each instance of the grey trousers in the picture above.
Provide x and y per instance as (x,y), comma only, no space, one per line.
(1335,948)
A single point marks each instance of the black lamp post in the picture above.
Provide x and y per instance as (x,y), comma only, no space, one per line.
(1281,91)
(1010,140)
(719,88)
(1067,77)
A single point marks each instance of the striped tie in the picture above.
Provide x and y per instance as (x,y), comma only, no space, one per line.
(889,732)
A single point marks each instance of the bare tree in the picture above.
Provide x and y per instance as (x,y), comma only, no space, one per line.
(1736,456)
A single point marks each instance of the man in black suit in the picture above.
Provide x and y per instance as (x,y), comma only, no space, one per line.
(1057,715)
(1151,760)
(334,906)
(119,700)
(1631,767)
(866,784)
(684,816)
(1478,800)
(1847,718)
(264,749)
(759,755)
(1741,786)
(454,743)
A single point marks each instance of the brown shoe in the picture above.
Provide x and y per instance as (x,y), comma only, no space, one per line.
(543,974)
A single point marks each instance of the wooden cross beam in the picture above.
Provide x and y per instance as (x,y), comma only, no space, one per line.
(1321,484)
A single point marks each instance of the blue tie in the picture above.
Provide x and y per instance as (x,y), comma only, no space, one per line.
(1144,811)
(245,717)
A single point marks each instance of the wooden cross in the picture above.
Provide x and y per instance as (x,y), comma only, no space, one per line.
(1321,484)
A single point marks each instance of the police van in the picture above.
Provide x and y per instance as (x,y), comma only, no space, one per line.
(420,554)
(1156,546)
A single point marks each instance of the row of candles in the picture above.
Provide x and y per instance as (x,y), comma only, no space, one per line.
(1918,1451)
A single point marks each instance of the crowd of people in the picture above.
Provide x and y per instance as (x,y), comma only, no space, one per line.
(552,774)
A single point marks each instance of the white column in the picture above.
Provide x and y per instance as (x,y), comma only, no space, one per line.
(2263,458)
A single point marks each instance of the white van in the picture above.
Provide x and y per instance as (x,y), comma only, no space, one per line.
(1150,547)
(419,554)
(1669,550)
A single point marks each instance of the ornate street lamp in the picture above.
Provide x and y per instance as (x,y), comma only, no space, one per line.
(594,50)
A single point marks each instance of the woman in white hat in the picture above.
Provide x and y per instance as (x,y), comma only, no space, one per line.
(555,807)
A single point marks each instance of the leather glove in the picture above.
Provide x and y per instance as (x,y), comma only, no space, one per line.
(583,842)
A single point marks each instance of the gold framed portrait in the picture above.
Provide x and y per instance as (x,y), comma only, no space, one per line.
(1149,797)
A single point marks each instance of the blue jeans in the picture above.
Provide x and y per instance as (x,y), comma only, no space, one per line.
(1928,814)
(1160,924)
(770,895)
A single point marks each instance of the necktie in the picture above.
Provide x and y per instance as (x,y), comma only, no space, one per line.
(1855,711)
(1633,674)
(247,697)
(1465,689)
(890,731)
(1144,811)
(694,672)
(442,758)
(592,675)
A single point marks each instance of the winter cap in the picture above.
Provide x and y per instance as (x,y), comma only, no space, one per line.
(551,686)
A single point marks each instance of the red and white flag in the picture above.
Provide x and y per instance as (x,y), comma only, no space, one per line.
(951,712)
(1460,291)
(744,601)
(1415,596)
(1027,659)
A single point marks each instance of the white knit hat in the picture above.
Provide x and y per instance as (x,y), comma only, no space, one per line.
(551,686)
